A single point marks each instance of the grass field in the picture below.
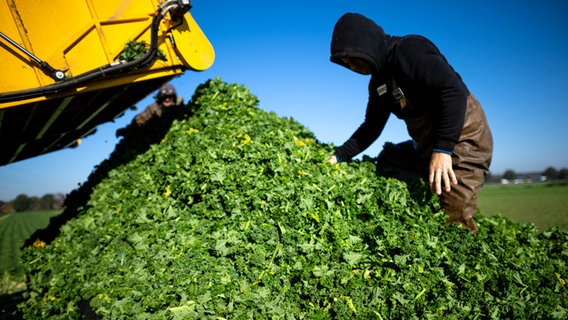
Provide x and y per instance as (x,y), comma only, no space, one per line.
(15,228)
(542,204)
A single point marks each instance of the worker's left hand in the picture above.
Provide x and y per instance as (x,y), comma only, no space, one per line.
(441,173)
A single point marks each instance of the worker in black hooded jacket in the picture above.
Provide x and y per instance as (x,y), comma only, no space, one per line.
(451,145)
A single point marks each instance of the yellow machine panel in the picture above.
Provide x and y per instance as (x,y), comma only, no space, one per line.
(68,66)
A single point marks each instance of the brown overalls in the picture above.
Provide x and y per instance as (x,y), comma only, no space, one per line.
(471,158)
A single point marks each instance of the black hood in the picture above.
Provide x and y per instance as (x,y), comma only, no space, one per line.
(355,35)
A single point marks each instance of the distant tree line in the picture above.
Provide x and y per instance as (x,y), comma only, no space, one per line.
(24,203)
(550,173)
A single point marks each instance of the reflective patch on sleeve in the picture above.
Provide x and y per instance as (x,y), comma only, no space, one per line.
(382,89)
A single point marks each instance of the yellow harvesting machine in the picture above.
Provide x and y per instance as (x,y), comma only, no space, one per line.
(68,66)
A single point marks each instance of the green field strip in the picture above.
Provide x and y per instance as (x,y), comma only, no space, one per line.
(4,217)
(539,204)
(15,229)
(29,224)
(10,254)
(9,247)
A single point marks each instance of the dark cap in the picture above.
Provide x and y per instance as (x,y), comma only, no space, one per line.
(165,91)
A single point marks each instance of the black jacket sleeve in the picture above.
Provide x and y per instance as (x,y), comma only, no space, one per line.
(375,120)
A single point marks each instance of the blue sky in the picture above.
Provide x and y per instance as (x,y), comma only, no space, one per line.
(513,56)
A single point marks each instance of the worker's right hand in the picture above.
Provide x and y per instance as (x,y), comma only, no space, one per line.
(333,159)
(441,176)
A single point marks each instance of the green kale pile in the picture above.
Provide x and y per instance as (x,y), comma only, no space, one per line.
(236,214)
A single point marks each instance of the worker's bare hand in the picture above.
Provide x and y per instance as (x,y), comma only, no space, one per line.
(441,173)
(333,159)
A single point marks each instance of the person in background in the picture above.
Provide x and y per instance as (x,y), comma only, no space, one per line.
(451,143)
(166,97)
